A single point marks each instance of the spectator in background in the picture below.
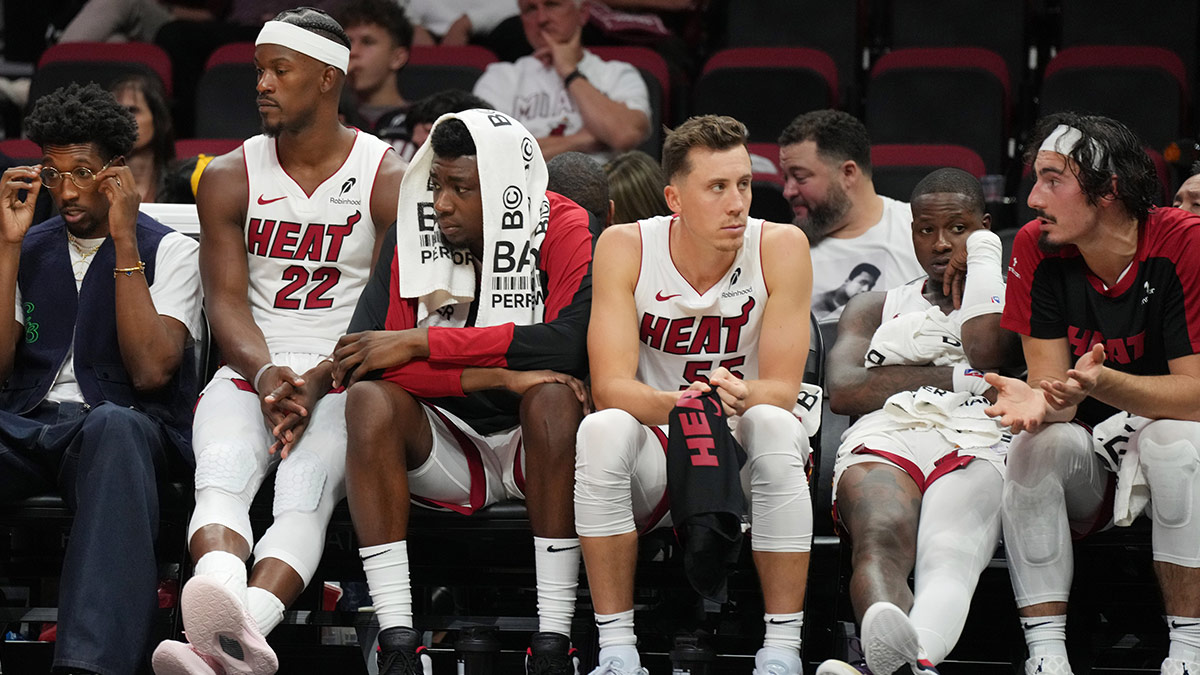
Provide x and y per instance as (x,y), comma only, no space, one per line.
(425,112)
(826,160)
(135,20)
(568,97)
(636,184)
(154,149)
(1188,196)
(456,22)
(581,179)
(380,39)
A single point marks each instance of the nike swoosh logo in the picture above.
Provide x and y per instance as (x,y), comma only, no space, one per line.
(552,549)
(368,557)
(1175,624)
(780,623)
(663,298)
(605,623)
(264,202)
(1027,626)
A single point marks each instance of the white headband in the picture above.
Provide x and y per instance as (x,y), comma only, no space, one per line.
(306,42)
(1064,138)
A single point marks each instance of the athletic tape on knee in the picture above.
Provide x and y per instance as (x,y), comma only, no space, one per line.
(983,292)
(299,484)
(226,465)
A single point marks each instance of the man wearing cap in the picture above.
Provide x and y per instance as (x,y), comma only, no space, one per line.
(292,222)
(1104,290)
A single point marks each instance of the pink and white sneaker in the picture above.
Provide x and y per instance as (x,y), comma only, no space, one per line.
(180,658)
(218,625)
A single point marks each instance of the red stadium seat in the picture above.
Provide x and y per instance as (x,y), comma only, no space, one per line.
(433,69)
(21,150)
(226,96)
(82,54)
(942,95)
(190,147)
(998,25)
(1169,24)
(1144,87)
(898,168)
(749,83)
(239,53)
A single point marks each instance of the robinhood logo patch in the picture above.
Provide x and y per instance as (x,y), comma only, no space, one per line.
(346,188)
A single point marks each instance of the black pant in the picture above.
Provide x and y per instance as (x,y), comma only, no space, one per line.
(106,462)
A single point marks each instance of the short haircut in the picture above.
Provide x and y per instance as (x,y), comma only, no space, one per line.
(82,114)
(385,13)
(636,184)
(316,21)
(430,108)
(451,139)
(865,267)
(1195,169)
(581,179)
(1115,149)
(952,181)
(839,136)
(711,132)
(163,142)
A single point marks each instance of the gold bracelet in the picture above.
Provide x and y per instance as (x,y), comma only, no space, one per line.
(128,271)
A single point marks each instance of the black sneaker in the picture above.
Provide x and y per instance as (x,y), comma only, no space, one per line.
(551,654)
(401,653)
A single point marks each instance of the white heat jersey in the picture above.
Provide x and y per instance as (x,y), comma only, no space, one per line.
(910,297)
(309,255)
(685,333)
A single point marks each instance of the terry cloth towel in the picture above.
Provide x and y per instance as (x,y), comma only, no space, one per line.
(512,178)
(957,417)
(1111,440)
(917,339)
(704,482)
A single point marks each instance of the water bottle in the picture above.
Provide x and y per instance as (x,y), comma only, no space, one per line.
(477,649)
(691,657)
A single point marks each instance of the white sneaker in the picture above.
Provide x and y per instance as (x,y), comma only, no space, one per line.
(1178,667)
(217,624)
(775,661)
(178,658)
(888,638)
(1047,665)
(836,667)
(615,665)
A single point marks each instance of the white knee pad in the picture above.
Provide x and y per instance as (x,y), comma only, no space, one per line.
(228,475)
(299,483)
(305,496)
(606,451)
(1170,460)
(780,506)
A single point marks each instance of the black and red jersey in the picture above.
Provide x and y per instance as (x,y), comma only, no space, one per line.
(559,343)
(1151,315)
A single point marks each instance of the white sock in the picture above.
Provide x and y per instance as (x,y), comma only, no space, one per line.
(783,630)
(386,566)
(226,567)
(265,608)
(1046,635)
(556,566)
(616,629)
(1185,638)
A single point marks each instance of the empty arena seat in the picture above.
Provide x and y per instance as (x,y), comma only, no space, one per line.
(998,25)
(1169,24)
(22,150)
(1144,87)
(942,95)
(226,94)
(99,62)
(433,69)
(749,83)
(836,28)
(898,168)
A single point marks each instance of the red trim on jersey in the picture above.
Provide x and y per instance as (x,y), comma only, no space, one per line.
(243,385)
(375,177)
(664,504)
(474,464)
(246,170)
(671,257)
(641,255)
(946,464)
(308,194)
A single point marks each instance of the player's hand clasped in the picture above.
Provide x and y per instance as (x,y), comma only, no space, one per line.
(732,389)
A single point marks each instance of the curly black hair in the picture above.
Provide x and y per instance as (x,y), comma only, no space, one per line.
(316,21)
(82,114)
(1110,145)
(451,139)
(839,136)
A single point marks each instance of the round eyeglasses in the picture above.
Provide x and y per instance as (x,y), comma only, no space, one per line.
(83,177)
